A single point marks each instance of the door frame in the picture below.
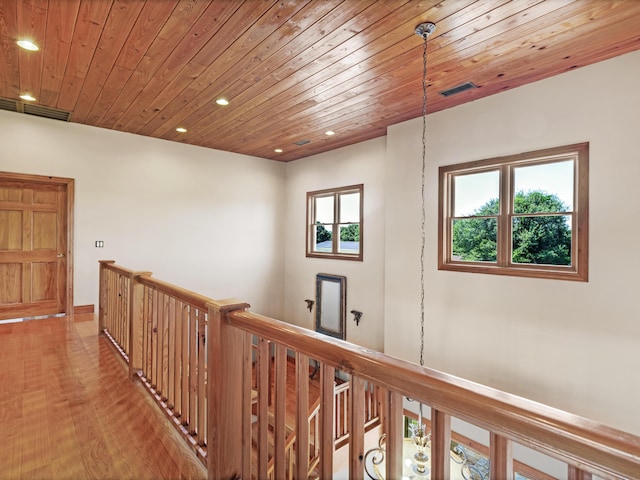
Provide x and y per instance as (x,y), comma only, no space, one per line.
(68,184)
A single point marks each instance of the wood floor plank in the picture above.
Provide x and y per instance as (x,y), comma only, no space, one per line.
(69,465)
(35,454)
(68,410)
(10,455)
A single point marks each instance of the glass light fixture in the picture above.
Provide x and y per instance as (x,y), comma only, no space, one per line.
(222,101)
(181,130)
(27,97)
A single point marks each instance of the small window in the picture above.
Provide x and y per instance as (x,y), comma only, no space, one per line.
(334,223)
(523,215)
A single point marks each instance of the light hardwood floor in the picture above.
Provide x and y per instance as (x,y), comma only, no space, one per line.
(68,410)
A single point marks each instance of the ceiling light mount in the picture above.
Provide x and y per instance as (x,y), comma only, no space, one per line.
(425,29)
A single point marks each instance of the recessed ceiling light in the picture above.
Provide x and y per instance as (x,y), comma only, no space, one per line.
(222,101)
(28,45)
(27,97)
(278,150)
(181,130)
(329,132)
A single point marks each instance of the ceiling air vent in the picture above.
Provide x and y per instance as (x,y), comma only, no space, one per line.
(301,142)
(46,112)
(31,109)
(7,104)
(458,89)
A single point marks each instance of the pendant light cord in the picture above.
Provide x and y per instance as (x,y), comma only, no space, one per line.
(423,218)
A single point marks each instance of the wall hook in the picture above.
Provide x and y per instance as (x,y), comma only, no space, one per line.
(356,316)
(310,304)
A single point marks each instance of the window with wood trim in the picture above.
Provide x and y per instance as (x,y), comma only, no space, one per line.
(523,215)
(334,223)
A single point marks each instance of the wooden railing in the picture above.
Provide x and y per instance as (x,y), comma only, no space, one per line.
(161,328)
(115,300)
(341,427)
(341,411)
(161,331)
(586,446)
(289,452)
(372,402)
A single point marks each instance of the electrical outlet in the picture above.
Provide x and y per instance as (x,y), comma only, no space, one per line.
(99,243)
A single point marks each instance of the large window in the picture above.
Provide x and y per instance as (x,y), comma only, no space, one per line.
(524,215)
(334,223)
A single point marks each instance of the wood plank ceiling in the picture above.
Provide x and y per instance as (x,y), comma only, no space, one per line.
(291,69)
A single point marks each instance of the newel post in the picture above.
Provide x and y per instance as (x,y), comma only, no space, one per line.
(224,372)
(103,295)
(136,321)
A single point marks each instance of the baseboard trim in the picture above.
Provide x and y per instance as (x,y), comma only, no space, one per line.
(80,309)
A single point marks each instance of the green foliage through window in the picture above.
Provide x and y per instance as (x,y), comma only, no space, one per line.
(322,234)
(537,239)
(475,239)
(351,233)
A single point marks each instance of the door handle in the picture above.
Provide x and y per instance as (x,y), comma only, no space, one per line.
(60,255)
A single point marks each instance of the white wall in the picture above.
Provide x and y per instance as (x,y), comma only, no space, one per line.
(572,345)
(361,163)
(206,220)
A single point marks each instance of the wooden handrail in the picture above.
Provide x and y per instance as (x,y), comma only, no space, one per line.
(569,437)
(181,294)
(111,265)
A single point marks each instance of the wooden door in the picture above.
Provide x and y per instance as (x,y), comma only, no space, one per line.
(35,245)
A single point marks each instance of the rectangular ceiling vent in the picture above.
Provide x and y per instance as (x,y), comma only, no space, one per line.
(458,89)
(7,104)
(301,142)
(31,109)
(46,112)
